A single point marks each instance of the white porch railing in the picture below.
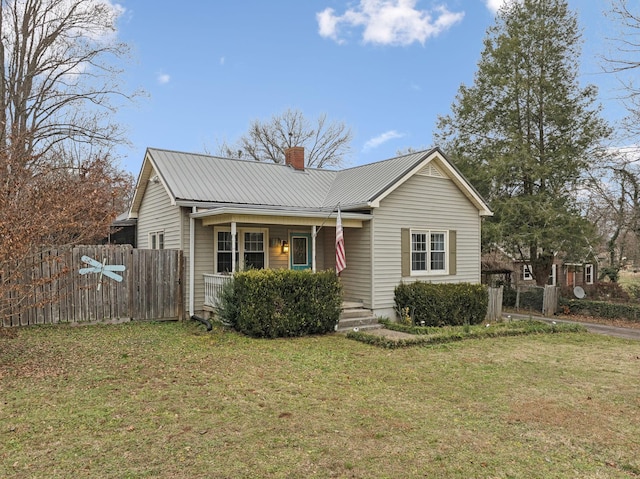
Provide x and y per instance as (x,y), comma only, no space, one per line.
(213,284)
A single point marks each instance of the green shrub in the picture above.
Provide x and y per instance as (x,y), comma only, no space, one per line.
(632,289)
(282,303)
(443,304)
(601,309)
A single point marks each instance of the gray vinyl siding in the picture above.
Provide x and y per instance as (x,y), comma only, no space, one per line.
(278,259)
(428,203)
(356,278)
(157,214)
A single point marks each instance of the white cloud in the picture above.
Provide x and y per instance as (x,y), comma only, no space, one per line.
(163,78)
(380,139)
(388,22)
(328,24)
(222,60)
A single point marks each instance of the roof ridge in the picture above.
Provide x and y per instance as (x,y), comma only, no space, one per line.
(225,158)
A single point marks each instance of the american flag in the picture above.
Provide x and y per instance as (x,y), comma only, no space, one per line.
(341,262)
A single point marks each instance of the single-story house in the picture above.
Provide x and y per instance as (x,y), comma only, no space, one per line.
(414,217)
(498,265)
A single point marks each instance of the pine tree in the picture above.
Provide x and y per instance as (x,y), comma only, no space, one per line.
(526,131)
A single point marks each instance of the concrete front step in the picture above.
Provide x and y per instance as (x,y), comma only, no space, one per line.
(351,305)
(353,315)
(362,323)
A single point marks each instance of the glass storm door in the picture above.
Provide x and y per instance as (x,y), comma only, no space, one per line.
(300,251)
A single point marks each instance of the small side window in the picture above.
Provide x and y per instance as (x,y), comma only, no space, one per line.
(156,240)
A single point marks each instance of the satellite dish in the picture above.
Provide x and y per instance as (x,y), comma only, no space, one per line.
(578,292)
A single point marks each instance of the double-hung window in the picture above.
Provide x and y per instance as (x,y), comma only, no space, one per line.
(250,249)
(588,273)
(253,254)
(428,251)
(223,254)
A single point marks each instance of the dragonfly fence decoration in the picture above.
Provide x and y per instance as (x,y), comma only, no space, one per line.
(102,268)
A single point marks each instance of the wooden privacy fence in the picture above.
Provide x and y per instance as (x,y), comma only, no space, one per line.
(549,301)
(49,288)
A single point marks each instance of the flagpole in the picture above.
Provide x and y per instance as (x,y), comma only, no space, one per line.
(341,262)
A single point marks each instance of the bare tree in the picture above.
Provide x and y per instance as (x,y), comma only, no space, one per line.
(625,58)
(55,207)
(59,81)
(326,143)
(612,203)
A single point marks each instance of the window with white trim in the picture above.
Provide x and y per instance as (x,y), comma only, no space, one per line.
(553,277)
(253,254)
(527,275)
(588,273)
(428,252)
(250,249)
(223,251)
(156,240)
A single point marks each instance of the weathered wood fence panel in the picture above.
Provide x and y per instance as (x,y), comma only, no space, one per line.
(53,291)
(157,279)
(494,310)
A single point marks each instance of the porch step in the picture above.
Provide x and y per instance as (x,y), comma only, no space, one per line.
(354,315)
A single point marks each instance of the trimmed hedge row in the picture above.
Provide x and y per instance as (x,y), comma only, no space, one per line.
(282,303)
(431,337)
(601,309)
(443,304)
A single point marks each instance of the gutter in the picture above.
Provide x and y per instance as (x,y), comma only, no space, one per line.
(320,214)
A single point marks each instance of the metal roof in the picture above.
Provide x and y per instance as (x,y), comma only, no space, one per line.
(204,180)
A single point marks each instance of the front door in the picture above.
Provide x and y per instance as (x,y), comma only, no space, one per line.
(300,252)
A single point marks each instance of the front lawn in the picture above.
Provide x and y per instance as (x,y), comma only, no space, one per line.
(169,400)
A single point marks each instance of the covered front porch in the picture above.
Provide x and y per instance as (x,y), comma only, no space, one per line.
(229,239)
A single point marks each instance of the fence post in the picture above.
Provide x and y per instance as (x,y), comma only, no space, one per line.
(494,311)
(550,300)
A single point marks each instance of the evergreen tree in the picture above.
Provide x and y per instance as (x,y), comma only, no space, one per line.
(526,131)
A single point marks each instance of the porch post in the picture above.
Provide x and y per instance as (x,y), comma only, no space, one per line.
(233,247)
(192,255)
(313,248)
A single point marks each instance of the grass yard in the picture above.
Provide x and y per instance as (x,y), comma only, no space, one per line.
(170,400)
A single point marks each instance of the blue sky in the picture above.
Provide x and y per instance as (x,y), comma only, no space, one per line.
(387,68)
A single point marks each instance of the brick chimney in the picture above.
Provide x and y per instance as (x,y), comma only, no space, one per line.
(294,157)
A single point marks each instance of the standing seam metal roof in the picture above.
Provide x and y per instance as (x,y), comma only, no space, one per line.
(211,179)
